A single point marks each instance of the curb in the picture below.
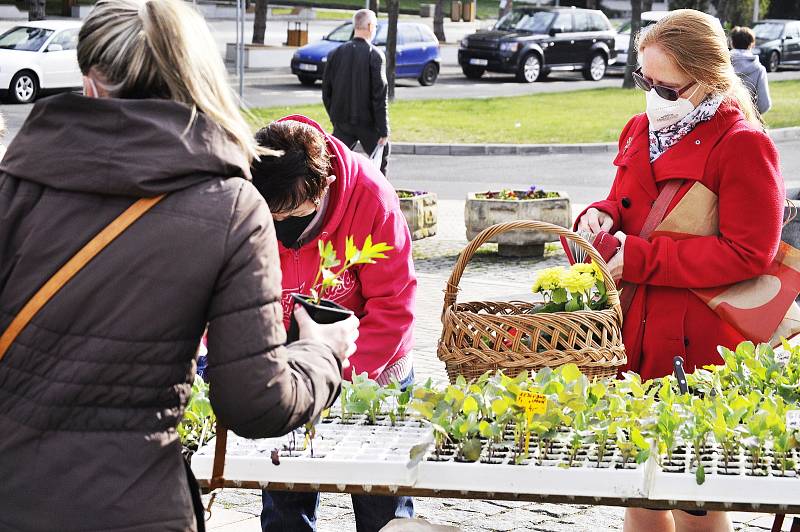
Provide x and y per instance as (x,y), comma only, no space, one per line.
(458,150)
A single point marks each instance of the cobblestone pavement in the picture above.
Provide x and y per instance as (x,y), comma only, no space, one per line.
(486,277)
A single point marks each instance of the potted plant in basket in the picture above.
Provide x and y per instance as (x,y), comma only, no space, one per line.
(420,210)
(329,275)
(485,209)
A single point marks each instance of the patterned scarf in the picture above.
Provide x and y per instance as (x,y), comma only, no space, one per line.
(667,137)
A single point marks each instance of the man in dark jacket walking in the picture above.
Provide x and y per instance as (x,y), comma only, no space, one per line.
(355,90)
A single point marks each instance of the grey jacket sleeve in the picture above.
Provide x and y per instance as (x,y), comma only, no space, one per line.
(379,92)
(258,387)
(763,101)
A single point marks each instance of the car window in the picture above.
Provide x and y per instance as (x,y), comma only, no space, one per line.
(341,34)
(68,39)
(599,22)
(530,21)
(24,38)
(563,22)
(768,30)
(408,34)
(582,21)
(794,30)
(427,34)
(380,36)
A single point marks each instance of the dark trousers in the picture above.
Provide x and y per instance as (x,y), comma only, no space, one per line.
(367,136)
(286,511)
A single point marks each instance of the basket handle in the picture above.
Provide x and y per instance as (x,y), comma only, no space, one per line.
(451,290)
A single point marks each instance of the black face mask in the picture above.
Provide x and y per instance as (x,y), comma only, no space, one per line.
(290,229)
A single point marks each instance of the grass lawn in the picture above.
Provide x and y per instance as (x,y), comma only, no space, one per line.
(486,8)
(596,115)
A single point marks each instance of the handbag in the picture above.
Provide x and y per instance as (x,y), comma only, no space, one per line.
(64,275)
(763,308)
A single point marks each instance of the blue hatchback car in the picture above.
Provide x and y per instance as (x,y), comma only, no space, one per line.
(417,52)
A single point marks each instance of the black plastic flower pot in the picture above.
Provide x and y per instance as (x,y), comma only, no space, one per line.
(325,312)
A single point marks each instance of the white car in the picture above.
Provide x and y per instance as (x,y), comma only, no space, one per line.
(39,56)
(623,38)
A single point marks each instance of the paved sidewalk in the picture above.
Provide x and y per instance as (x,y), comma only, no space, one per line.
(486,277)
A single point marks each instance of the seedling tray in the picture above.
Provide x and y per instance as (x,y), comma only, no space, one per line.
(352,452)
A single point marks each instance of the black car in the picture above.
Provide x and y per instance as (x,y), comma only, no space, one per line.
(531,42)
(777,42)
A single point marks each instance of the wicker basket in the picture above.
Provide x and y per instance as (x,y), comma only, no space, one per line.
(590,339)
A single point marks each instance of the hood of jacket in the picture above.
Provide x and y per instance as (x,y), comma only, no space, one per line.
(343,166)
(745,62)
(135,148)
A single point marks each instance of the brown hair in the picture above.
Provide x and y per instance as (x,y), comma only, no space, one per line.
(742,38)
(697,45)
(286,181)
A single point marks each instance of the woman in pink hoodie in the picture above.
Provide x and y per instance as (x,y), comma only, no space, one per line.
(320,190)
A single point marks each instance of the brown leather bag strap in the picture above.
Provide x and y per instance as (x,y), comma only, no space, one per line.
(654,217)
(217,472)
(72,267)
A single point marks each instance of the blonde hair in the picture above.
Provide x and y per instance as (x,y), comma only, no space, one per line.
(162,49)
(697,45)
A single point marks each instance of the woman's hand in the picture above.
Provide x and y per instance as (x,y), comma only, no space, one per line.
(616,263)
(595,221)
(340,336)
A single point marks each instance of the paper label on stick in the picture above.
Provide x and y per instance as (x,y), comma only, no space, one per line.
(793,420)
(533,403)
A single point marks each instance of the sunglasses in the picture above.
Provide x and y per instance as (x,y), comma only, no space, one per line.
(668,93)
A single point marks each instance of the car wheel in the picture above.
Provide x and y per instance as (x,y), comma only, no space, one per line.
(596,68)
(308,81)
(473,72)
(530,69)
(429,74)
(773,62)
(24,87)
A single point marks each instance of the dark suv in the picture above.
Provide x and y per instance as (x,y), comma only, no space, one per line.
(532,42)
(777,43)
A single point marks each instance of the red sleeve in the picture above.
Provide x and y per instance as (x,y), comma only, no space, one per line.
(610,205)
(389,287)
(751,200)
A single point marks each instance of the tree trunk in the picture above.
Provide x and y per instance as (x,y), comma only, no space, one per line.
(393,7)
(36,10)
(438,21)
(260,22)
(636,25)
(374,6)
(647,5)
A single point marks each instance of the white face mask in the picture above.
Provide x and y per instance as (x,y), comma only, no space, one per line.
(662,112)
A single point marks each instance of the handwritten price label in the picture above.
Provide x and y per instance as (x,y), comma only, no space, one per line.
(793,420)
(533,403)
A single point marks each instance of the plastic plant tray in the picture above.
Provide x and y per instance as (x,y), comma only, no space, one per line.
(675,480)
(550,476)
(343,453)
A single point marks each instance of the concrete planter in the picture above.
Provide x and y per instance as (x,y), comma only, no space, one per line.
(255,55)
(481,214)
(421,214)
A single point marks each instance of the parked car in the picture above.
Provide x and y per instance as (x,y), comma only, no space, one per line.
(417,52)
(532,42)
(777,43)
(623,38)
(39,56)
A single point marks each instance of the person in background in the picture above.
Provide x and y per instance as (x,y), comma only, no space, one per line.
(2,136)
(702,137)
(355,91)
(320,190)
(93,389)
(749,68)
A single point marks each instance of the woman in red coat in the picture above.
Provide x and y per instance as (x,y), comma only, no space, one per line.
(700,128)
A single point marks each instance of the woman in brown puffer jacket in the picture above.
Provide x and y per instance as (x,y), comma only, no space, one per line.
(93,388)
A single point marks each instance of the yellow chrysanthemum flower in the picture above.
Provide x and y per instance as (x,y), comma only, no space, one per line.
(548,279)
(577,283)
